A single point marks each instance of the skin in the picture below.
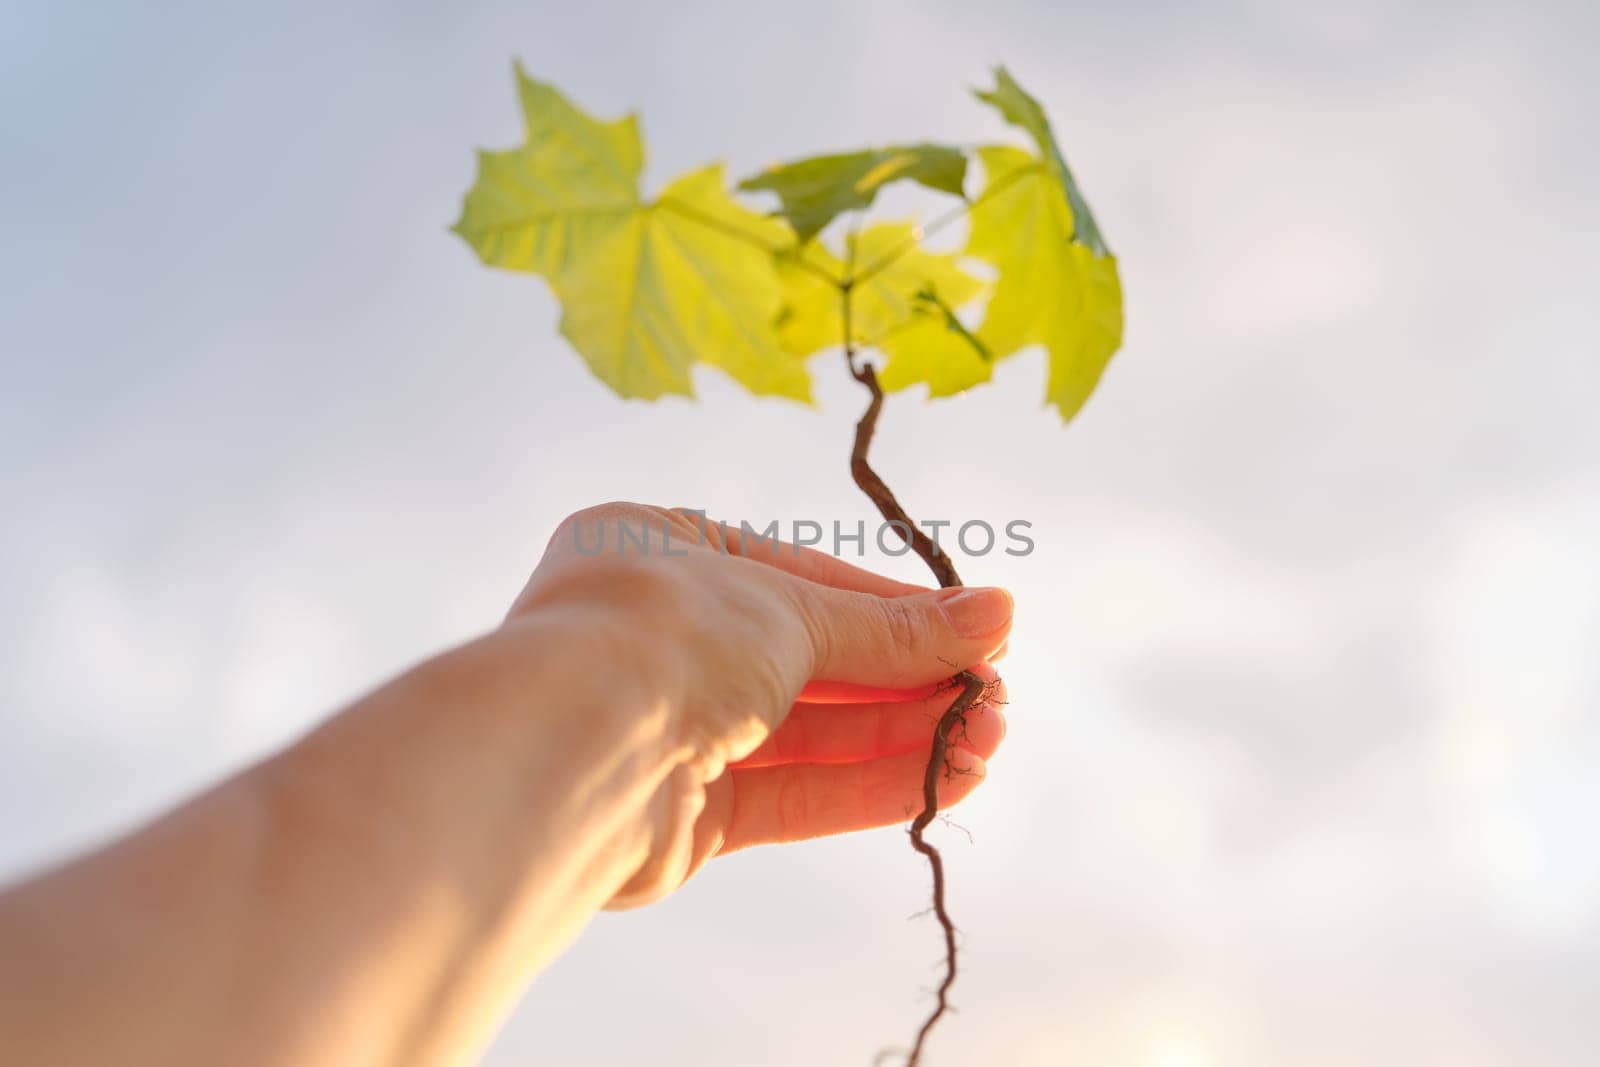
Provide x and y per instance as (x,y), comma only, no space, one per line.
(383,890)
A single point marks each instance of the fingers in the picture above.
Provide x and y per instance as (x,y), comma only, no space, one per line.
(901,642)
(800,800)
(804,563)
(851,733)
(819,691)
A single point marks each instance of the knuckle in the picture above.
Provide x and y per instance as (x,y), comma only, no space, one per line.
(589,525)
(793,804)
(697,525)
(693,516)
(610,511)
(906,628)
(814,631)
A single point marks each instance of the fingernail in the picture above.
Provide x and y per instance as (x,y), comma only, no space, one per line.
(976,612)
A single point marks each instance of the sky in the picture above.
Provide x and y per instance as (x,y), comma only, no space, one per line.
(1304,751)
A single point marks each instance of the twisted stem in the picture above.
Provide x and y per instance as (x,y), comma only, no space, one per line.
(954,718)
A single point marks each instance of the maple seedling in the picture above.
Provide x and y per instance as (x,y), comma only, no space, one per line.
(650,287)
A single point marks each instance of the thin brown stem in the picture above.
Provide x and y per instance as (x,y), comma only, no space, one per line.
(880,494)
(954,718)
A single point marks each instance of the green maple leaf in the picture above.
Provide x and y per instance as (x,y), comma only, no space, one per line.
(573,181)
(1057,282)
(881,303)
(1020,109)
(935,347)
(647,288)
(817,190)
(668,288)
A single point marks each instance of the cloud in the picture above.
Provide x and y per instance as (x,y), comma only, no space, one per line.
(1302,748)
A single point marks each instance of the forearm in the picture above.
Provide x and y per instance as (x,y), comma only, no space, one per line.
(378,892)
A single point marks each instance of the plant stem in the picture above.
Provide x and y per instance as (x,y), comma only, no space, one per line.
(954,718)
(880,494)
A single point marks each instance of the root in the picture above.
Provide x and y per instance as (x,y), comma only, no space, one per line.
(938,765)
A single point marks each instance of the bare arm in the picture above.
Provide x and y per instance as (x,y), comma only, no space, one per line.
(382,891)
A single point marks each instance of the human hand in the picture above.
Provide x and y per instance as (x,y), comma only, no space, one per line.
(384,888)
(802,691)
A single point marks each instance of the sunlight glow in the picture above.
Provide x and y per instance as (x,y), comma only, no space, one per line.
(1178,1050)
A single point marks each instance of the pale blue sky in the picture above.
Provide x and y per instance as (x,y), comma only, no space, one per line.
(1305,658)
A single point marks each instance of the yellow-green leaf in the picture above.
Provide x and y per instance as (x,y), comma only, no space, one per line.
(671,286)
(1051,289)
(650,288)
(817,190)
(881,302)
(611,153)
(646,289)
(575,180)
(1020,109)
(929,349)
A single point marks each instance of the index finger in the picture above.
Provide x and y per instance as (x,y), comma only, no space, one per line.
(798,560)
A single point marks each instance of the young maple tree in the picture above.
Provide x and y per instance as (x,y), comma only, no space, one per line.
(649,287)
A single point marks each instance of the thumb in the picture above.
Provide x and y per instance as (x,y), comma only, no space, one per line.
(905,640)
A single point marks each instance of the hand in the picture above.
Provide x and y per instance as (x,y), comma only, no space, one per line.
(726,631)
(384,888)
